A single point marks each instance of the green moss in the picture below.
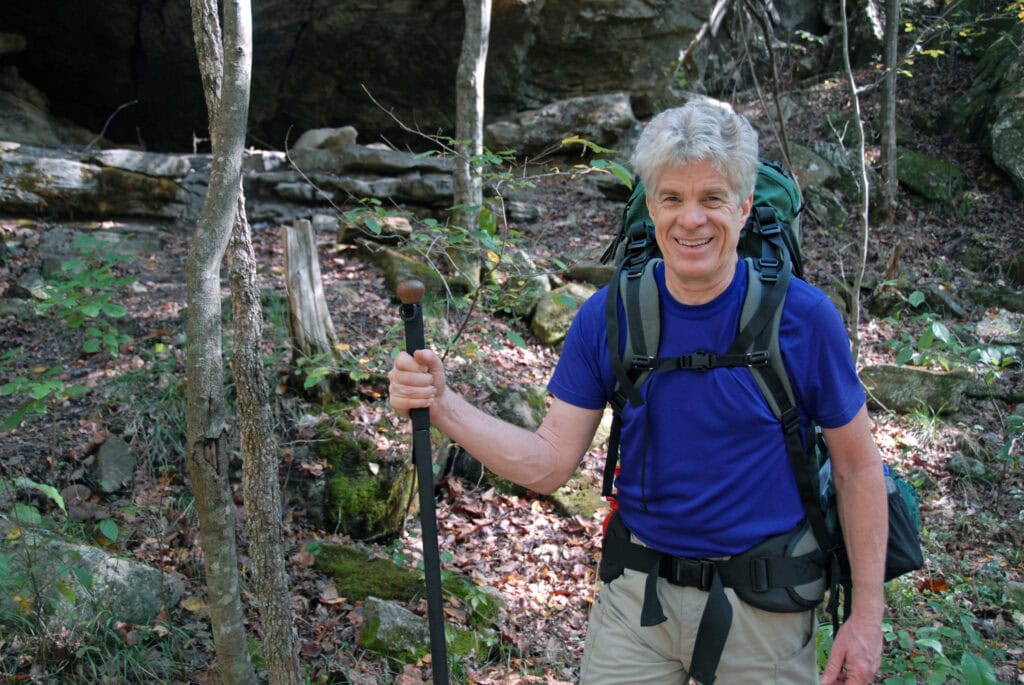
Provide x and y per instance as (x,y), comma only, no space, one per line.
(363,498)
(475,644)
(153,193)
(358,575)
(402,648)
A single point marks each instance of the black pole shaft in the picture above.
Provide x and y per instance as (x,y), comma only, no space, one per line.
(412,315)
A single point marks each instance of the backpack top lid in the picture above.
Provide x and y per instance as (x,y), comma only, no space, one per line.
(774,189)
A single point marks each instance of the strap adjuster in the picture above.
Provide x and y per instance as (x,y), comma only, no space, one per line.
(642,362)
(759,575)
(758,358)
(790,420)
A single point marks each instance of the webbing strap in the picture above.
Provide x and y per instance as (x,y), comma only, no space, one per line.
(772,295)
(703,361)
(715,622)
(612,460)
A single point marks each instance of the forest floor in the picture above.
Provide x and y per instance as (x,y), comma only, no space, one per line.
(542,561)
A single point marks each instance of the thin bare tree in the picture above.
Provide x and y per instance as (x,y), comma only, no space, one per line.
(863,209)
(206,455)
(226,88)
(469,112)
(889,176)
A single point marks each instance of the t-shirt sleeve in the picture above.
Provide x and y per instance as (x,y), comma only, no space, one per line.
(578,378)
(827,385)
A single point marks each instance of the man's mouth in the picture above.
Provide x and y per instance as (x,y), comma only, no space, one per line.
(693,243)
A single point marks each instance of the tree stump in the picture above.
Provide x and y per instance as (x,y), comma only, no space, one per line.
(309,321)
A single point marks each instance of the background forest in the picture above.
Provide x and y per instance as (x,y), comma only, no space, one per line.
(200,478)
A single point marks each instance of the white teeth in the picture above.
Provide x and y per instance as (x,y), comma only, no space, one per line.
(693,243)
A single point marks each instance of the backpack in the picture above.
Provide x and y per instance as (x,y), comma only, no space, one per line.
(769,242)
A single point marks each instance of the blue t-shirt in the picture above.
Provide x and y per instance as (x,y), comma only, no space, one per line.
(704,467)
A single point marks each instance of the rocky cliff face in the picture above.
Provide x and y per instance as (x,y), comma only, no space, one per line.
(318,62)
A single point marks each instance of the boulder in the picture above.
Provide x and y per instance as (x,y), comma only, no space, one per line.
(76,585)
(992,108)
(556,310)
(906,389)
(115,465)
(931,177)
(600,119)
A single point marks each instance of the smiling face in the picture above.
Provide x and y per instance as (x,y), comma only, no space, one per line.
(697,220)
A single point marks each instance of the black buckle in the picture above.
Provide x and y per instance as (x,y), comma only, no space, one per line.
(698,361)
(686,572)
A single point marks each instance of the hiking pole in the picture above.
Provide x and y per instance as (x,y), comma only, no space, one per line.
(410,293)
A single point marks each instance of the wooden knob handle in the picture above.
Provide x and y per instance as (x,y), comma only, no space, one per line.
(410,292)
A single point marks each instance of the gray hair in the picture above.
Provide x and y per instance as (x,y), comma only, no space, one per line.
(702,129)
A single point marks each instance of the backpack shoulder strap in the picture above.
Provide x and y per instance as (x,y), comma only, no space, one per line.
(638,290)
(764,304)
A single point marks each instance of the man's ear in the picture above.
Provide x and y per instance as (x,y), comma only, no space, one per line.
(746,206)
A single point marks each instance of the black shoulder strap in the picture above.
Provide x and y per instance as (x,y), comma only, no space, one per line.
(773,380)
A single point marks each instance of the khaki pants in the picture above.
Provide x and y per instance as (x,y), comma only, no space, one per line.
(763,647)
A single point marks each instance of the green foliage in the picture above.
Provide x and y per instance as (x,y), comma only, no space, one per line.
(42,390)
(926,341)
(84,295)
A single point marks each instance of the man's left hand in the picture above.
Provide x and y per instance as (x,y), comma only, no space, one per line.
(856,653)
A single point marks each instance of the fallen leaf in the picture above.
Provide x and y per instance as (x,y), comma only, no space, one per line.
(193,604)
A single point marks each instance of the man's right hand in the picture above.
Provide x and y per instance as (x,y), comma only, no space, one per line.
(415,382)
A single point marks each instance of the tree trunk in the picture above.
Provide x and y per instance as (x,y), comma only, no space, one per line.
(260,464)
(863,185)
(889,189)
(206,455)
(469,112)
(469,134)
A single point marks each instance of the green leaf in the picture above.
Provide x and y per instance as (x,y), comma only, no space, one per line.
(48,490)
(976,670)
(83,575)
(66,592)
(916,298)
(16,417)
(114,311)
(516,339)
(91,310)
(930,643)
(926,339)
(904,355)
(91,345)
(109,529)
(940,331)
(27,515)
(41,390)
(76,390)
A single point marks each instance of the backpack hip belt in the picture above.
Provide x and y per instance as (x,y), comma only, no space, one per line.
(765,577)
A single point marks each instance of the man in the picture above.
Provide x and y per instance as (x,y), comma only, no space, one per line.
(704,468)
